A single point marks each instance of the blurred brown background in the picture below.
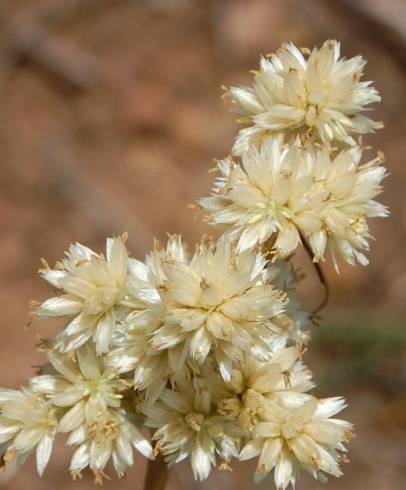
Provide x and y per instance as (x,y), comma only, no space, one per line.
(110,118)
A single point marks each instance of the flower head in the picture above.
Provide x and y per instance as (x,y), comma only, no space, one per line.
(132,347)
(286,192)
(112,436)
(132,353)
(27,421)
(187,427)
(320,96)
(83,382)
(90,396)
(93,288)
(255,385)
(217,301)
(290,438)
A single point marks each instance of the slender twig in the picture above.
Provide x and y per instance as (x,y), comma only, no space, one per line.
(320,275)
(157,474)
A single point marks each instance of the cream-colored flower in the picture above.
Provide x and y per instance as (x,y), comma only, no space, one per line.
(150,368)
(255,385)
(84,384)
(90,393)
(112,436)
(187,427)
(291,438)
(132,353)
(27,421)
(320,96)
(93,288)
(132,348)
(218,301)
(281,192)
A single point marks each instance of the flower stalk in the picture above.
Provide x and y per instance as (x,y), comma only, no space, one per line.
(157,474)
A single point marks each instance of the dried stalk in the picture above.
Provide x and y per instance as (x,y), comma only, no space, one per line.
(157,474)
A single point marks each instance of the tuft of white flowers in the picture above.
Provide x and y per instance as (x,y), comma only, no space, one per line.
(27,421)
(93,289)
(285,193)
(188,426)
(319,97)
(290,438)
(205,349)
(219,301)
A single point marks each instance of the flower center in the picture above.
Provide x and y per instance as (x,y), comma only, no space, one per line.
(106,295)
(195,421)
(104,298)
(271,208)
(229,407)
(316,98)
(290,430)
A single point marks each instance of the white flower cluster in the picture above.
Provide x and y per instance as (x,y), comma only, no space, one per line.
(287,193)
(318,97)
(205,348)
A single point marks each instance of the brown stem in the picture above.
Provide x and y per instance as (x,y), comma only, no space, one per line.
(320,275)
(157,474)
